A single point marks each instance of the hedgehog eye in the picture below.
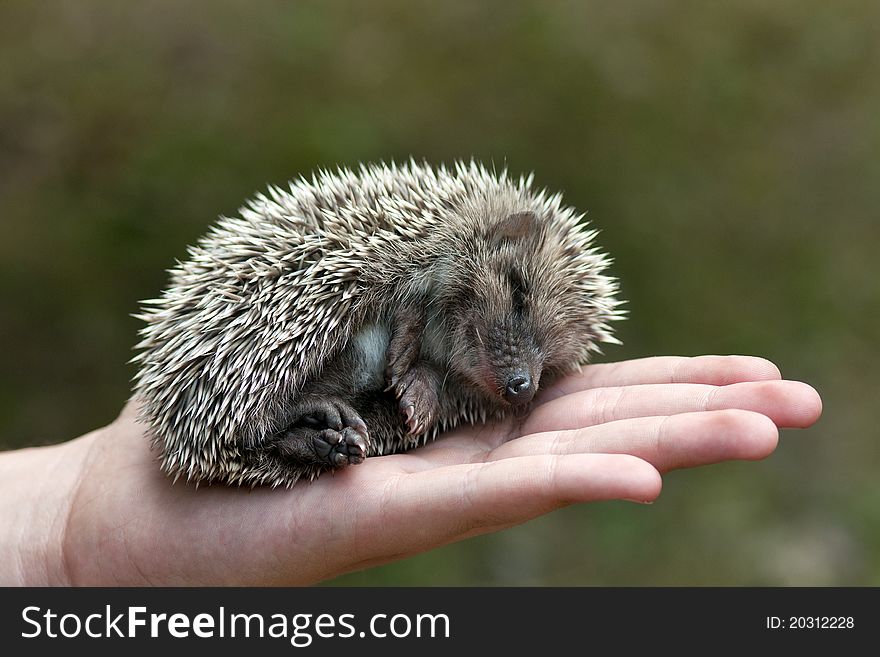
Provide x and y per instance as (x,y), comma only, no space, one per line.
(519,289)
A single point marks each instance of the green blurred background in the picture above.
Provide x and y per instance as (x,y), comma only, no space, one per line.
(727,151)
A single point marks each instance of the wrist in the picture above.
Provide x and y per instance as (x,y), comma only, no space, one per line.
(37,490)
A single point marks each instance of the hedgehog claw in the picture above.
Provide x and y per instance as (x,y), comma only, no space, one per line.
(356,445)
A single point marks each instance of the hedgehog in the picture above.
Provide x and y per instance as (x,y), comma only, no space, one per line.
(362,313)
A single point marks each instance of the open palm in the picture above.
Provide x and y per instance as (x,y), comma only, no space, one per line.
(607,433)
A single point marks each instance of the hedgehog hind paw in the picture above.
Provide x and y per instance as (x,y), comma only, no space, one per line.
(323,447)
(331,413)
(340,448)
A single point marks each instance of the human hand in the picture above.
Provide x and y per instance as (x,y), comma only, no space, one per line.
(606,433)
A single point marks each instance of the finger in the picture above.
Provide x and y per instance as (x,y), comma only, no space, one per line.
(685,440)
(453,502)
(787,403)
(711,370)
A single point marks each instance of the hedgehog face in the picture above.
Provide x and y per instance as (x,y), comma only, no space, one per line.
(517,312)
(496,347)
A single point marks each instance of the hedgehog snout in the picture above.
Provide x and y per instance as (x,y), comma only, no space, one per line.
(519,388)
(514,364)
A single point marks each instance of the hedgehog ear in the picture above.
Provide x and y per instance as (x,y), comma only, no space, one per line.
(515,227)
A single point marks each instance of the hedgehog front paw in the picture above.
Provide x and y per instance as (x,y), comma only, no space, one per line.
(417,393)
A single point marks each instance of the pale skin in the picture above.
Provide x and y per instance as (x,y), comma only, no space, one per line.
(97,510)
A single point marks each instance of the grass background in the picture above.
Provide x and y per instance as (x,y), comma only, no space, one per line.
(728,151)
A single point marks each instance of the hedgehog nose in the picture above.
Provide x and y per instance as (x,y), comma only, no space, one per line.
(519,389)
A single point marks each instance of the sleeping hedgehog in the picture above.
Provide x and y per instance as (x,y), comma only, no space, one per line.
(362,313)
